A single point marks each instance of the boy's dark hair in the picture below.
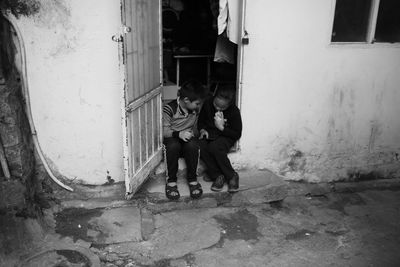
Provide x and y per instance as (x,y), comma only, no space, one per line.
(226,91)
(193,90)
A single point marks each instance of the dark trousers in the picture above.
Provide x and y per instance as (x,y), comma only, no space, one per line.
(214,154)
(176,148)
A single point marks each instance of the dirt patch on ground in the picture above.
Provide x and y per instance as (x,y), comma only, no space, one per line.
(239,225)
(74,222)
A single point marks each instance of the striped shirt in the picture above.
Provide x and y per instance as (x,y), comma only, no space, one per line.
(175,119)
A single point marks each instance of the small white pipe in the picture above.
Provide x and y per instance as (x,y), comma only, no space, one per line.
(28,111)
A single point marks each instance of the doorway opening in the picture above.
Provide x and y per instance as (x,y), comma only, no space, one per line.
(187,37)
(195,46)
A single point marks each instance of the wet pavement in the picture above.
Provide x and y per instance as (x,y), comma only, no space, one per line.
(313,225)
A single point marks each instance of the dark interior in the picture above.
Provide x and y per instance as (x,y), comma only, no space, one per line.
(190,33)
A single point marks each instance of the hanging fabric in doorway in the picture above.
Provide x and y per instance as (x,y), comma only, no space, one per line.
(224,50)
(228,19)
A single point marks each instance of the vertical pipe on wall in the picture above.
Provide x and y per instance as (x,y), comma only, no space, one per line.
(25,91)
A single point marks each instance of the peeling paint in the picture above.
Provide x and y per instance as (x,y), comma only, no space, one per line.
(55,16)
(20,7)
(293,162)
(53,12)
(297,162)
(109,179)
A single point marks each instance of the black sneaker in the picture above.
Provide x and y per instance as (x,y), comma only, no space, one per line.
(207,178)
(233,184)
(218,184)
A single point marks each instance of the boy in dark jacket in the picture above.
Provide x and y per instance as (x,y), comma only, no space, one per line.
(179,130)
(220,125)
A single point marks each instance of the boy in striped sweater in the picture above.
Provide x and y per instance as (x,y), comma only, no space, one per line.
(180,137)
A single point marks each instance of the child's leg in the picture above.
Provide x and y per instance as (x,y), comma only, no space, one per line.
(219,148)
(191,155)
(209,160)
(173,150)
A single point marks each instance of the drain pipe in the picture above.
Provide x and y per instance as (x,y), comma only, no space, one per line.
(28,105)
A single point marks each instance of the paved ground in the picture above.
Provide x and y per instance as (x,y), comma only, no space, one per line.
(350,229)
(312,226)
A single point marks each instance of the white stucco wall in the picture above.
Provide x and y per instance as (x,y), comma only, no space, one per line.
(75,86)
(312,110)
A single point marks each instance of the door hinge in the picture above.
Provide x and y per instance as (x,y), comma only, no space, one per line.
(126,29)
(117,38)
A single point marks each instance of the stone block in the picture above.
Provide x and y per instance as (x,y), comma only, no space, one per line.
(12,194)
(20,159)
(147,224)
(116,226)
(11,136)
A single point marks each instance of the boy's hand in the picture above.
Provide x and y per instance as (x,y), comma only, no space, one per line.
(203,134)
(186,135)
(219,120)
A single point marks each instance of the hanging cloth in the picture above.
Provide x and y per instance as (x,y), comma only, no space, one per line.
(224,50)
(228,19)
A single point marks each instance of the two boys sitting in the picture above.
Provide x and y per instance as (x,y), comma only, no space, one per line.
(220,126)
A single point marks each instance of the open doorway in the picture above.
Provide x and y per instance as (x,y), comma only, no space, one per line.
(195,46)
(186,36)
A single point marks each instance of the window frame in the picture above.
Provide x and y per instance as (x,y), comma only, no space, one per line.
(371,29)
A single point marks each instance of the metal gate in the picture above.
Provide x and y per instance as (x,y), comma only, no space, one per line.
(143,86)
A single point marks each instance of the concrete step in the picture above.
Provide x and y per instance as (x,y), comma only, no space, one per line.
(256,187)
(105,221)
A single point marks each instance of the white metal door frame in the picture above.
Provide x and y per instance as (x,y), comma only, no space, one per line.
(148,107)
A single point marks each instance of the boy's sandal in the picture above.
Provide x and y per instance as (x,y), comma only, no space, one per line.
(169,189)
(195,190)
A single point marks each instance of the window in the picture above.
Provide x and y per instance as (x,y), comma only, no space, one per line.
(366,21)
(351,20)
(388,22)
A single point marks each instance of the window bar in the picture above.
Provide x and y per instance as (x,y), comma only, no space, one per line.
(152,126)
(160,125)
(132,142)
(140,137)
(146,123)
(372,21)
